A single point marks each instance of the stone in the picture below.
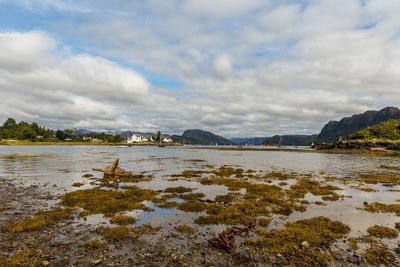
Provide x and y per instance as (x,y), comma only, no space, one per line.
(305,244)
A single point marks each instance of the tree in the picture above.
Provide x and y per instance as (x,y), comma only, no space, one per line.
(60,135)
(28,133)
(9,123)
(117,138)
(159,136)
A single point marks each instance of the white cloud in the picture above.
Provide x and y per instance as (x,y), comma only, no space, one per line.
(248,67)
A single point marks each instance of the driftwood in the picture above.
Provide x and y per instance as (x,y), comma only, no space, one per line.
(226,239)
(111,171)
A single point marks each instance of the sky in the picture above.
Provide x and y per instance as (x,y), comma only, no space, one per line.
(238,68)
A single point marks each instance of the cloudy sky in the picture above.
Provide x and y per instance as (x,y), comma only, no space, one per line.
(233,67)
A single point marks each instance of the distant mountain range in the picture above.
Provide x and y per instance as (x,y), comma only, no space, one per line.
(329,133)
(249,140)
(200,137)
(291,140)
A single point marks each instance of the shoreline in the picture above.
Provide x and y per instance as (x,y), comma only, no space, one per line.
(23,143)
(377,152)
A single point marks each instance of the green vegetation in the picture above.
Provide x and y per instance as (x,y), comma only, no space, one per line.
(42,219)
(300,243)
(29,257)
(35,133)
(388,130)
(185,229)
(77,184)
(382,232)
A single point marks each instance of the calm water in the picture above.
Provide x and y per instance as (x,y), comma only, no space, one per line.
(63,165)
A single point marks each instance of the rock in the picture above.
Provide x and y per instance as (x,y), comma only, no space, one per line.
(305,244)
(95,262)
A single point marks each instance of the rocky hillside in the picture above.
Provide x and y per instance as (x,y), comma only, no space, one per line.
(388,130)
(200,137)
(346,126)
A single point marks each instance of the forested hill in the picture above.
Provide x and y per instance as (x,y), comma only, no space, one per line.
(200,137)
(346,126)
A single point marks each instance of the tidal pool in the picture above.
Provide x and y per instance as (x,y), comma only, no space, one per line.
(54,169)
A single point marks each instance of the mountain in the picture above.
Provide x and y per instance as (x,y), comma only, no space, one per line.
(82,132)
(334,129)
(249,140)
(291,140)
(388,130)
(200,137)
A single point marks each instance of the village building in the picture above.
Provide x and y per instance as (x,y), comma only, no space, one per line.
(167,140)
(137,139)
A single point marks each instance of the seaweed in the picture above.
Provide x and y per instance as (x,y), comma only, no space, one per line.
(123,220)
(95,245)
(28,257)
(108,202)
(384,208)
(179,190)
(192,206)
(286,243)
(377,254)
(382,232)
(185,229)
(42,219)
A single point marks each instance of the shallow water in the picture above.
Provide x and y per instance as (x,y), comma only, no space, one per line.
(56,168)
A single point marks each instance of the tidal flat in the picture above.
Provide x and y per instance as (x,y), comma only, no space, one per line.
(309,208)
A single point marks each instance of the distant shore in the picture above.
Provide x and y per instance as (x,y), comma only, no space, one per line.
(28,143)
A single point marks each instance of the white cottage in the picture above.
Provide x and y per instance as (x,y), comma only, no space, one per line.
(137,138)
(167,140)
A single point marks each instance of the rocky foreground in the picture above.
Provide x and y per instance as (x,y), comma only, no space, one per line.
(360,145)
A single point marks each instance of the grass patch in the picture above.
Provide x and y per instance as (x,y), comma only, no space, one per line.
(77,184)
(382,232)
(123,220)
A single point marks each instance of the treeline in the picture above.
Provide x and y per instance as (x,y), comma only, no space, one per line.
(33,132)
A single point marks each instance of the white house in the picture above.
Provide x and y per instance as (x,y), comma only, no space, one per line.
(167,140)
(137,138)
